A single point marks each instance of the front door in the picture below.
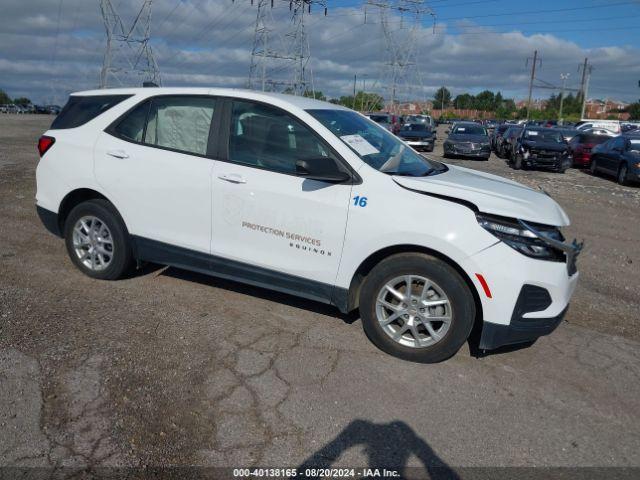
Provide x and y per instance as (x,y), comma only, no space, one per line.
(281,225)
(153,165)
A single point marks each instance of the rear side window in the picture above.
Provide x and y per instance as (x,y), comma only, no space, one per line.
(180,123)
(81,109)
(132,126)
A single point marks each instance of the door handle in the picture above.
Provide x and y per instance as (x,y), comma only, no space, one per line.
(232,177)
(118,153)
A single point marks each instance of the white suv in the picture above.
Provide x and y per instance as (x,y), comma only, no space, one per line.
(308,198)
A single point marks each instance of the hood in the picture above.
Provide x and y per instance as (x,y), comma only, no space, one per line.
(462,137)
(491,194)
(553,146)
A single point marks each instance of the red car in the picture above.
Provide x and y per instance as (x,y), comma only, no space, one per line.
(581,145)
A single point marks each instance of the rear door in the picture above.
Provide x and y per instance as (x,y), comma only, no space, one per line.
(279,228)
(613,154)
(155,164)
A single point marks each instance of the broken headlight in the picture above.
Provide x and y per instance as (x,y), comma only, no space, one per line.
(511,232)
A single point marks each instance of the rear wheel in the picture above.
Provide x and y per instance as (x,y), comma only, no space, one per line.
(97,240)
(593,168)
(416,307)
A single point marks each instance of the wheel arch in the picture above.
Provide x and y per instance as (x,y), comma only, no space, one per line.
(76,197)
(352,301)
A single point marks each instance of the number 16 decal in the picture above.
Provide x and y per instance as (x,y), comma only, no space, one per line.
(359,201)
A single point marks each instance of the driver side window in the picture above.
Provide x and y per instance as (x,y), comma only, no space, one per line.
(269,138)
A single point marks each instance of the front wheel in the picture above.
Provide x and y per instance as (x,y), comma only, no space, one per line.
(416,307)
(97,240)
(622,175)
(517,162)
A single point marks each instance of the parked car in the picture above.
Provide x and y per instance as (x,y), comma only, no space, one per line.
(468,139)
(581,146)
(497,135)
(599,131)
(53,109)
(294,194)
(620,157)
(610,125)
(539,147)
(490,125)
(383,119)
(567,133)
(41,109)
(419,135)
(504,145)
(426,119)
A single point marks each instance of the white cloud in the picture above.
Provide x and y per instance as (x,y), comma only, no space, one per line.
(209,42)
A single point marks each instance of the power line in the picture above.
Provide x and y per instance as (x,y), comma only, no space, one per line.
(532,12)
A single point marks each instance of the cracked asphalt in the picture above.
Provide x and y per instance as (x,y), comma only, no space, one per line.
(171,368)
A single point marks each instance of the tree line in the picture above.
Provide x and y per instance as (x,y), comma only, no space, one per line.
(6,99)
(488,101)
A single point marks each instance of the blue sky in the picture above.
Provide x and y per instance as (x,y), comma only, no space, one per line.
(477,45)
(575,20)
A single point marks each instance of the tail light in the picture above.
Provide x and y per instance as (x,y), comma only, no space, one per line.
(44,143)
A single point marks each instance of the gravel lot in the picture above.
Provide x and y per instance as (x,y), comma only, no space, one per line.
(172,368)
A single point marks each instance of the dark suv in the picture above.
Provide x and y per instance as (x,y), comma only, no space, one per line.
(541,147)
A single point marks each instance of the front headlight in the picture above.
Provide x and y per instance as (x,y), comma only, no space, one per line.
(524,241)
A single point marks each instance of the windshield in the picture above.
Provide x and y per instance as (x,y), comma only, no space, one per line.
(543,136)
(469,130)
(376,146)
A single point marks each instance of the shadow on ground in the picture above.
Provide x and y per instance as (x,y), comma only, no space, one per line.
(387,446)
(263,293)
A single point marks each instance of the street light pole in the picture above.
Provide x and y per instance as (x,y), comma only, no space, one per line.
(564,77)
(355,79)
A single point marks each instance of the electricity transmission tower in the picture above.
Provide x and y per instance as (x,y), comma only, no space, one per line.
(128,58)
(401,22)
(281,61)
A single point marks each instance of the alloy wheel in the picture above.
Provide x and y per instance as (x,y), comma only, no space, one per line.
(93,243)
(414,311)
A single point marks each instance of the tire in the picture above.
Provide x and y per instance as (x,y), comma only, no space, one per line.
(446,284)
(485,159)
(622,174)
(517,162)
(110,256)
(593,167)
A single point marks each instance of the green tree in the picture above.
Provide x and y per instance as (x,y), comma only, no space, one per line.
(484,101)
(364,101)
(4,98)
(317,95)
(634,111)
(442,98)
(22,101)
(464,101)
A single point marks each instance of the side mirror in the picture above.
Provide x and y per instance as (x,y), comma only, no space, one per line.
(321,169)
